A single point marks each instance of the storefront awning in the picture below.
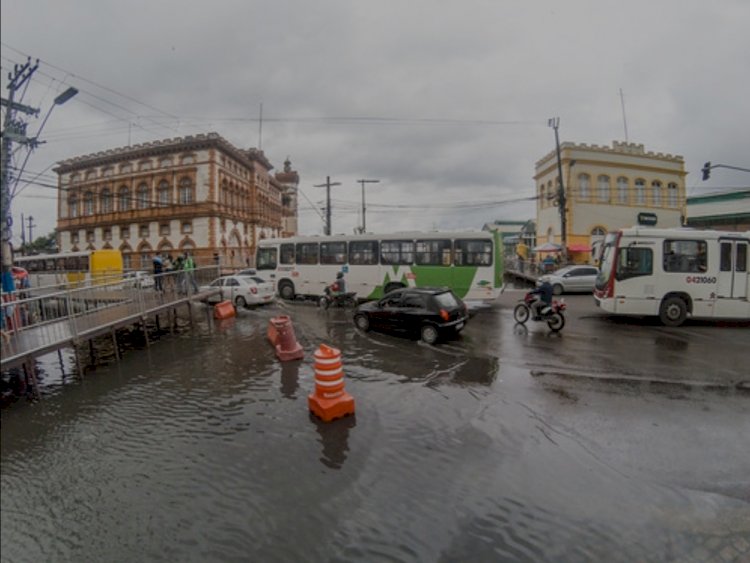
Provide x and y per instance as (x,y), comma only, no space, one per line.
(579,248)
(547,247)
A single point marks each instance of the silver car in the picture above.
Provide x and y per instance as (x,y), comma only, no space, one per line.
(571,279)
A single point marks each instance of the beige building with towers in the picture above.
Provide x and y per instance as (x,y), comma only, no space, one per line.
(607,188)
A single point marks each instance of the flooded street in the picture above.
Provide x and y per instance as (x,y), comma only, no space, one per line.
(614,439)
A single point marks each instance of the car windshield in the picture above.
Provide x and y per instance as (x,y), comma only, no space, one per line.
(446,300)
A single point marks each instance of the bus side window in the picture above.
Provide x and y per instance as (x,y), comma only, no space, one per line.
(287,253)
(634,262)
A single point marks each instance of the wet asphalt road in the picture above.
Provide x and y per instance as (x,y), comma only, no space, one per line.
(614,440)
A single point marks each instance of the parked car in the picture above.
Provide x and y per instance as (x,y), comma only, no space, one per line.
(570,279)
(138,279)
(430,313)
(241,290)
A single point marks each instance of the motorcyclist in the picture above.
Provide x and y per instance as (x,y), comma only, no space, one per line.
(339,286)
(542,299)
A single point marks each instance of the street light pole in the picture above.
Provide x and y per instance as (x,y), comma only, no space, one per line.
(327,186)
(363,182)
(555,123)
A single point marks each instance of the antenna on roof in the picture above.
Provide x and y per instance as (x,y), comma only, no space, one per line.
(624,119)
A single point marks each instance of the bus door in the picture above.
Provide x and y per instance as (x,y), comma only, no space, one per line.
(732,279)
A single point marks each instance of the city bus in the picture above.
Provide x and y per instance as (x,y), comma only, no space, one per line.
(75,268)
(675,274)
(466,262)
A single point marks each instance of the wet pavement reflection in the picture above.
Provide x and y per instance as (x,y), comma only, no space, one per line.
(624,441)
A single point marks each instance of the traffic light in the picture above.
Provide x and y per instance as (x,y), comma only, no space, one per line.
(706,170)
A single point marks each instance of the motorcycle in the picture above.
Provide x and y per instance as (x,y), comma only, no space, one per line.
(337,300)
(552,314)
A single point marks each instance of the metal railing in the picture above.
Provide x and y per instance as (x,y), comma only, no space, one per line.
(34,320)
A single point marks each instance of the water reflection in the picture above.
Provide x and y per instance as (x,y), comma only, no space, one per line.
(334,436)
(289,379)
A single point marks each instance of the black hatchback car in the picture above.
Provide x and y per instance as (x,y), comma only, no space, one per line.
(431,313)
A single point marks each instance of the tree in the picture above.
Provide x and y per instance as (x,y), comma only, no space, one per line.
(43,245)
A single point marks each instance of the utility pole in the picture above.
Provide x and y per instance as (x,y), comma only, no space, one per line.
(555,123)
(363,229)
(327,186)
(13,131)
(31,226)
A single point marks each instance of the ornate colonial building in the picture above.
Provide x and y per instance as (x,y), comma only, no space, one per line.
(198,194)
(607,189)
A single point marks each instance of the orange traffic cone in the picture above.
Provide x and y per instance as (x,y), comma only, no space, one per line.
(282,338)
(329,400)
(224,310)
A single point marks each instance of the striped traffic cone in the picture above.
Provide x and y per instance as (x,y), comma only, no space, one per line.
(329,400)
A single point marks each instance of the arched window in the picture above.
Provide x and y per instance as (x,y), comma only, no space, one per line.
(672,194)
(105,201)
(123,199)
(143,196)
(603,187)
(186,191)
(88,203)
(73,206)
(224,198)
(165,196)
(622,189)
(584,185)
(640,191)
(656,193)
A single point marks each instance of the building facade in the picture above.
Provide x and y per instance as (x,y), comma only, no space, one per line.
(607,188)
(729,211)
(196,194)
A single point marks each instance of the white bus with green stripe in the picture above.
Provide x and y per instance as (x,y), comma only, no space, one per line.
(470,263)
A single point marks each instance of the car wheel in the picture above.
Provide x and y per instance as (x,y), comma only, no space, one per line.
(362,322)
(429,334)
(240,302)
(557,289)
(673,311)
(521,313)
(286,290)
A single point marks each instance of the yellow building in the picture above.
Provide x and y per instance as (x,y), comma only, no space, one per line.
(607,188)
(197,193)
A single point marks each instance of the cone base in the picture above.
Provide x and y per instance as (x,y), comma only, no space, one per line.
(331,409)
(294,353)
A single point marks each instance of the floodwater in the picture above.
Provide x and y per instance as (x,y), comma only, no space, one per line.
(488,448)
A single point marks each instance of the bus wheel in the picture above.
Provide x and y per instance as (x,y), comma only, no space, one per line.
(286,290)
(673,311)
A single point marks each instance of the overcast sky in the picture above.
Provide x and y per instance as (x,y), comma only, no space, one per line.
(446,103)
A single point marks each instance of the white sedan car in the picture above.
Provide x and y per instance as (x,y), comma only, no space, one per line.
(241,290)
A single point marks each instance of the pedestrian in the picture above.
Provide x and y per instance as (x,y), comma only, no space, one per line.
(158,269)
(188,264)
(179,274)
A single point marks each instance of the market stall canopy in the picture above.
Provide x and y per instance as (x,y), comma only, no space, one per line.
(579,248)
(547,247)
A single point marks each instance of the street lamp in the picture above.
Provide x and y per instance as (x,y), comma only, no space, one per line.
(363,182)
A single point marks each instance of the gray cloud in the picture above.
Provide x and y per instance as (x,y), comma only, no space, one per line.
(462,90)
